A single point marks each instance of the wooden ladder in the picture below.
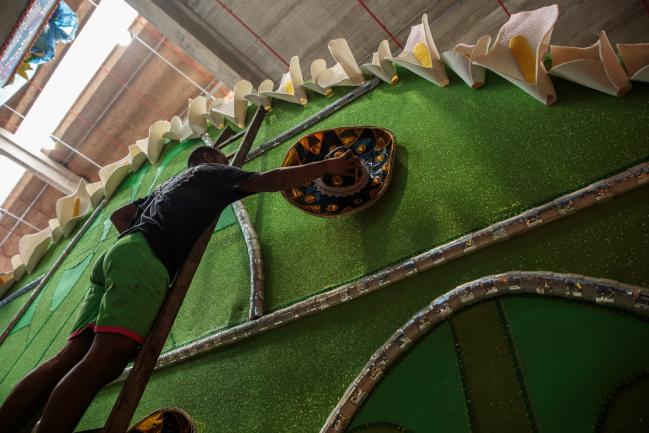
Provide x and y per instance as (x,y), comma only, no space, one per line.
(131,393)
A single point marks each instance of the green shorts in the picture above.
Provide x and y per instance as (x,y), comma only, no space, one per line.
(127,287)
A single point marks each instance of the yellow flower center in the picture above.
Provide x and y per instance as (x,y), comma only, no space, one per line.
(77,207)
(288,88)
(422,55)
(524,57)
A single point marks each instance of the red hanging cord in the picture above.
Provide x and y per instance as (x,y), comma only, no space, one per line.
(380,23)
(259,38)
(502,5)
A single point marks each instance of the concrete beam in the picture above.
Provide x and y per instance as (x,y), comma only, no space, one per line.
(185,28)
(40,166)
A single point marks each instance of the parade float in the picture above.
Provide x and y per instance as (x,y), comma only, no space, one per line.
(499,277)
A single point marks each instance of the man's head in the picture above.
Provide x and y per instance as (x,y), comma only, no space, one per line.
(203,154)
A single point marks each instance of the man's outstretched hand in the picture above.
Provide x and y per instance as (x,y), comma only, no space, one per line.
(343,165)
(284,178)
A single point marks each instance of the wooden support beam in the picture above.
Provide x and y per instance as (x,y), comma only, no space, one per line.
(131,393)
(223,137)
(249,137)
(229,140)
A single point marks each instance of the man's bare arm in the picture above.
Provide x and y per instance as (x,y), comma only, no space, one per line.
(284,178)
(122,217)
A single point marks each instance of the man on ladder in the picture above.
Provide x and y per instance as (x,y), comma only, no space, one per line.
(130,280)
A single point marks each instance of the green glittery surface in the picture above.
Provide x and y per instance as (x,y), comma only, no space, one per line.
(290,378)
(465,159)
(572,359)
(9,310)
(285,115)
(626,410)
(494,399)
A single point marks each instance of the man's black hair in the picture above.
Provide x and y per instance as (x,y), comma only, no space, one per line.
(196,157)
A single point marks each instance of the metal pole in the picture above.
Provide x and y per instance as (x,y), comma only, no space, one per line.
(172,66)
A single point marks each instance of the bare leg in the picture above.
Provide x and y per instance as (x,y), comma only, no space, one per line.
(31,393)
(103,363)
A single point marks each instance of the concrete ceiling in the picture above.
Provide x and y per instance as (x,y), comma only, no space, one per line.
(253,39)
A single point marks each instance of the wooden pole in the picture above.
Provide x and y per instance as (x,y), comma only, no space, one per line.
(249,137)
(223,137)
(131,393)
(133,389)
(230,138)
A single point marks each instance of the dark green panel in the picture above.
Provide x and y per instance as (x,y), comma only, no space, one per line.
(572,356)
(423,392)
(496,397)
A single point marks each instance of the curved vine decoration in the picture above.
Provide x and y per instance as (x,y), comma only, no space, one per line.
(623,296)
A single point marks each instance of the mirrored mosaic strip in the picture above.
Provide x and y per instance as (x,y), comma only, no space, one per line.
(561,207)
(634,299)
(25,31)
(255,261)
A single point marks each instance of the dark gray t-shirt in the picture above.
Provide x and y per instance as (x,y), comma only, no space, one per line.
(174,216)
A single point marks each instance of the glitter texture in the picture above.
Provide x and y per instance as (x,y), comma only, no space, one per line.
(290,378)
(465,159)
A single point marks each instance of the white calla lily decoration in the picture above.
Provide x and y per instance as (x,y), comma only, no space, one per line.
(290,88)
(381,66)
(420,55)
(519,50)
(461,59)
(345,72)
(71,209)
(595,66)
